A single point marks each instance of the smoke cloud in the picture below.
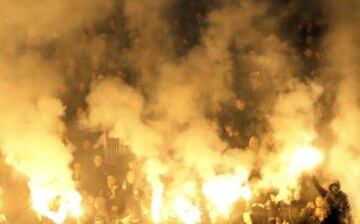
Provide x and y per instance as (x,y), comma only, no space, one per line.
(177,102)
(169,121)
(32,132)
(342,46)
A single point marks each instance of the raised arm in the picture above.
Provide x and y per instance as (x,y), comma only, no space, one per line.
(322,191)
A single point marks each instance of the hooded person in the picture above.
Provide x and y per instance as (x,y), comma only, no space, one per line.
(337,203)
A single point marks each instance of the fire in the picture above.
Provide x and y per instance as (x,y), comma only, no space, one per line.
(156,203)
(186,211)
(177,199)
(179,207)
(223,191)
(176,203)
(55,204)
(304,159)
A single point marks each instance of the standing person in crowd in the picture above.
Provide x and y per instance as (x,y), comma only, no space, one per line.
(87,214)
(271,209)
(78,176)
(321,210)
(116,197)
(307,214)
(96,179)
(258,209)
(296,205)
(130,188)
(100,209)
(337,202)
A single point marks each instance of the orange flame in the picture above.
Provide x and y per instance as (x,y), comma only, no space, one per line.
(186,211)
(304,159)
(156,202)
(223,191)
(66,202)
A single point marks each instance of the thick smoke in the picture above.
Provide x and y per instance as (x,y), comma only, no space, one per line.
(151,41)
(169,121)
(173,110)
(118,107)
(41,22)
(32,136)
(290,110)
(170,126)
(181,92)
(342,48)
(31,130)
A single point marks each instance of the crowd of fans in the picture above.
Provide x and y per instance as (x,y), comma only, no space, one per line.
(109,197)
(104,170)
(305,207)
(109,188)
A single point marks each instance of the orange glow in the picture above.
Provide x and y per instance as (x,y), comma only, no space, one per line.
(56,205)
(304,159)
(223,191)
(156,203)
(186,211)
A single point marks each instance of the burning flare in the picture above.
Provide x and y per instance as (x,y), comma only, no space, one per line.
(56,204)
(186,211)
(305,159)
(156,202)
(223,191)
